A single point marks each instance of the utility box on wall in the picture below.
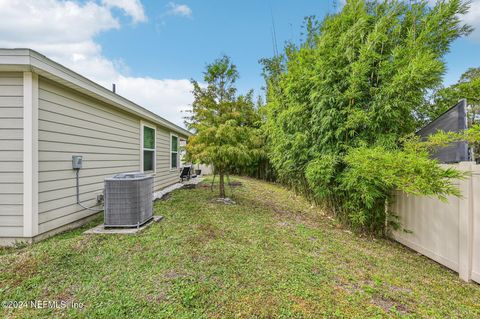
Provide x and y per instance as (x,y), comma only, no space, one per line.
(77,161)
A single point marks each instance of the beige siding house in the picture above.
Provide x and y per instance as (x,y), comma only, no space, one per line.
(49,113)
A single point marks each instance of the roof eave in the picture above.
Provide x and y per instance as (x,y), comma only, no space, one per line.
(30,60)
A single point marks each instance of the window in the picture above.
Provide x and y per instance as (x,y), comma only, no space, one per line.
(148,151)
(173,152)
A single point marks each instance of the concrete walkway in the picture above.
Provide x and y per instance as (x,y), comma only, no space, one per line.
(171,188)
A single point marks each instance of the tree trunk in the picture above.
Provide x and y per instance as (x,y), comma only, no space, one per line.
(222,185)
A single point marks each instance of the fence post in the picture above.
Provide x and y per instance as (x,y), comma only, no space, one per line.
(465,224)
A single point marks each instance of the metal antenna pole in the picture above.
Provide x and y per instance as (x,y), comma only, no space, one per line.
(274,34)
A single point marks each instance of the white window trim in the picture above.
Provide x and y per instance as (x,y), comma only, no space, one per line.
(171,151)
(142,125)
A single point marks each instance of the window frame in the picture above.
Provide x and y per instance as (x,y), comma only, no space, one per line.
(142,148)
(172,169)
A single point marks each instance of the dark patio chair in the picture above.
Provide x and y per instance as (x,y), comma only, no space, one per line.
(185,174)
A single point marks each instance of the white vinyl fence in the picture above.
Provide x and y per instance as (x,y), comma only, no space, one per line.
(447,232)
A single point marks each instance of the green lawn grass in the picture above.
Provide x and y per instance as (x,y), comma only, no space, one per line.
(272,255)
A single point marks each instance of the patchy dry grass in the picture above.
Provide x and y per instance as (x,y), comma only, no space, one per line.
(273,255)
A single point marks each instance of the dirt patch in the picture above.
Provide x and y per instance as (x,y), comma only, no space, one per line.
(348,287)
(198,258)
(400,289)
(189,186)
(252,305)
(225,201)
(209,184)
(24,267)
(82,244)
(202,235)
(389,304)
(209,232)
(302,306)
(284,224)
(156,298)
(235,184)
(65,297)
(172,274)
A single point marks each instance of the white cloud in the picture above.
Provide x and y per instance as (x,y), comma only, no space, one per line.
(132,8)
(179,9)
(65,30)
(472,18)
(166,97)
(53,21)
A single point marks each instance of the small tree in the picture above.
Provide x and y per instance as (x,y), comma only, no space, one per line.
(221,120)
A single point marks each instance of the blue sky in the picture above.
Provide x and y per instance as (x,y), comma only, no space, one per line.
(465,53)
(171,46)
(152,48)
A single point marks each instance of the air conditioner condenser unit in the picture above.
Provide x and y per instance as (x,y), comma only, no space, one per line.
(128,200)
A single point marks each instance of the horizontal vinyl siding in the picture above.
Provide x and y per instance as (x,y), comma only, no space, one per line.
(11,154)
(72,124)
(164,176)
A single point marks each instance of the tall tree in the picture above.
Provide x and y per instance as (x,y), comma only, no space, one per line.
(467,87)
(355,82)
(222,121)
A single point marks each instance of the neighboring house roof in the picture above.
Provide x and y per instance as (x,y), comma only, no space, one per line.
(452,120)
(30,60)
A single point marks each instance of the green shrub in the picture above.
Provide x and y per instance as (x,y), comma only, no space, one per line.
(372,174)
(340,104)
